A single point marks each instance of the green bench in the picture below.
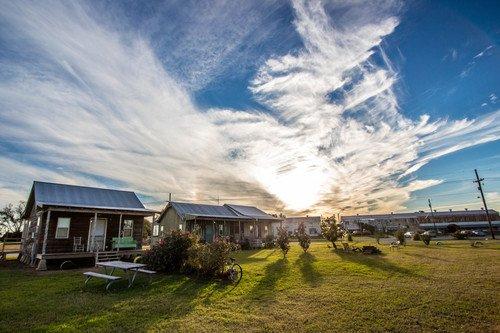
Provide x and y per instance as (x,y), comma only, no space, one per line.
(124,243)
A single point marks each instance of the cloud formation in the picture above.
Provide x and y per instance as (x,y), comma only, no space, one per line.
(84,103)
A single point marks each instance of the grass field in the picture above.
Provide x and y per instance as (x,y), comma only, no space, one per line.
(452,288)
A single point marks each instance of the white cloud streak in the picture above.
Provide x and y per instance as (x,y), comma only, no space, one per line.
(90,105)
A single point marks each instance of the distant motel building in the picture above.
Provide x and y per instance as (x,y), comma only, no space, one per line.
(466,219)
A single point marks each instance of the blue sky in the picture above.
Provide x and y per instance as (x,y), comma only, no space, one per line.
(297,107)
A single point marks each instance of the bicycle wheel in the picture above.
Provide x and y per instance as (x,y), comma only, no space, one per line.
(235,273)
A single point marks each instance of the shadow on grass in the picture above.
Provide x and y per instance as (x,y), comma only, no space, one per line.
(273,272)
(167,301)
(422,256)
(309,273)
(375,262)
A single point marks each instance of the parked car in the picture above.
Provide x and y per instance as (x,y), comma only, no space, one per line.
(432,233)
(409,234)
(477,233)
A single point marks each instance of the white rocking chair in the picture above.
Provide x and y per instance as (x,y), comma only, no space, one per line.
(77,244)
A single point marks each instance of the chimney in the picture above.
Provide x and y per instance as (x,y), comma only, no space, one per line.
(169,197)
(466,209)
(450,209)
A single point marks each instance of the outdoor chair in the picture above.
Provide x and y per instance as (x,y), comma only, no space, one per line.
(77,244)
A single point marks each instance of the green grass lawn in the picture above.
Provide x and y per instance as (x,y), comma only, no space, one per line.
(452,288)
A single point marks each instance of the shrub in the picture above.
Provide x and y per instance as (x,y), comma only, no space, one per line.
(369,249)
(245,244)
(330,230)
(416,236)
(170,253)
(349,237)
(209,260)
(283,241)
(269,242)
(377,236)
(452,228)
(426,238)
(368,227)
(459,235)
(303,237)
(400,236)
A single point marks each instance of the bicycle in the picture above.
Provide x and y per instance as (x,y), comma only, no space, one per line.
(234,272)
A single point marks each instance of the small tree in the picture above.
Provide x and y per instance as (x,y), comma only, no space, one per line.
(452,228)
(400,236)
(330,230)
(377,236)
(303,237)
(368,227)
(11,221)
(283,241)
(426,239)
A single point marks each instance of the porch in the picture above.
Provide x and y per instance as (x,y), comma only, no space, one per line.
(80,233)
(236,229)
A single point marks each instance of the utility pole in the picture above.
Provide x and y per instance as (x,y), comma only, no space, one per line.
(432,215)
(480,188)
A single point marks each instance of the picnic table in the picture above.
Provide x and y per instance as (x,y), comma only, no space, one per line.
(130,268)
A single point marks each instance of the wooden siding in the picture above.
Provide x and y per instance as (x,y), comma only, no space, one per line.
(170,221)
(79,227)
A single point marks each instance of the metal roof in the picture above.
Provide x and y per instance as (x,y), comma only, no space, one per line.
(52,194)
(418,214)
(305,219)
(251,211)
(190,210)
(475,224)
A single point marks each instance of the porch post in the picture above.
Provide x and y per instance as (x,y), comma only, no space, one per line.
(239,229)
(213,226)
(120,232)
(34,246)
(92,242)
(42,265)
(254,229)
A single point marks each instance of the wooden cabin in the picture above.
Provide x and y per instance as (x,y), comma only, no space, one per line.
(68,221)
(234,221)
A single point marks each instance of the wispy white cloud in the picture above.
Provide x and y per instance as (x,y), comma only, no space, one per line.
(352,151)
(88,104)
(97,105)
(483,52)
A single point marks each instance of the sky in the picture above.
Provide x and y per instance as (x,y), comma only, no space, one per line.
(297,107)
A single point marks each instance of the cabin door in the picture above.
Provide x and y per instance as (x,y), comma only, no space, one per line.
(209,232)
(97,235)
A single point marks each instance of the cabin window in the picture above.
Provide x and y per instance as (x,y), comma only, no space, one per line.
(156,230)
(128,228)
(62,230)
(161,231)
(313,231)
(180,227)
(251,228)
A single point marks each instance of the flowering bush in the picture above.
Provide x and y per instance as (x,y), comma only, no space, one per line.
(283,241)
(208,260)
(269,242)
(303,237)
(170,253)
